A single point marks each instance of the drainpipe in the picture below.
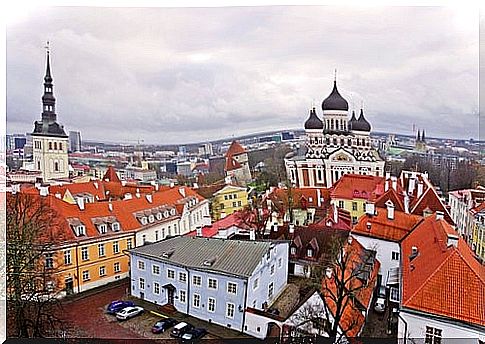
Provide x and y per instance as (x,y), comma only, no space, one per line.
(245,301)
(77,268)
(187,295)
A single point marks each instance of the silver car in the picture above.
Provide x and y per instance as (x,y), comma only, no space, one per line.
(129,312)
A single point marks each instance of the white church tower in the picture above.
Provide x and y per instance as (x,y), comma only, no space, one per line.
(49,139)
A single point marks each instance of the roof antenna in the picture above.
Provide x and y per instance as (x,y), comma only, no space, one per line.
(335,76)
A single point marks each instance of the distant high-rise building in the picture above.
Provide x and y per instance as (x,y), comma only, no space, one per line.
(182,150)
(49,138)
(74,141)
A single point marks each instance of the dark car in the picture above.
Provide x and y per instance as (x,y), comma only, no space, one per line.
(163,325)
(116,306)
(181,328)
(194,334)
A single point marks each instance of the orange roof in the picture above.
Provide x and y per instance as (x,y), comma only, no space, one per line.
(430,200)
(232,164)
(111,176)
(231,220)
(393,196)
(352,319)
(351,186)
(95,188)
(384,228)
(442,279)
(235,149)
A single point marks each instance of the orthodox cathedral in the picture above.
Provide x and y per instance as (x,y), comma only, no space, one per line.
(334,146)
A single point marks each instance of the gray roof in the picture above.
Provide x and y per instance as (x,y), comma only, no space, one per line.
(234,257)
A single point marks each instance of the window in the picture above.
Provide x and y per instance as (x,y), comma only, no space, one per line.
(182,277)
(155,269)
(156,288)
(67,257)
(102,271)
(84,253)
(103,228)
(170,274)
(196,301)
(280,262)
(142,283)
(212,283)
(116,247)
(230,310)
(50,145)
(141,265)
(211,305)
(272,269)
(222,205)
(270,290)
(433,335)
(234,204)
(196,280)
(144,238)
(239,203)
(395,255)
(156,235)
(340,204)
(60,145)
(256,283)
(115,226)
(81,230)
(354,220)
(354,206)
(55,145)
(128,243)
(116,267)
(182,296)
(225,197)
(231,288)
(100,250)
(293,250)
(49,260)
(143,220)
(151,218)
(85,275)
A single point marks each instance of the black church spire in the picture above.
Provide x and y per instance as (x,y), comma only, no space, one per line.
(48,100)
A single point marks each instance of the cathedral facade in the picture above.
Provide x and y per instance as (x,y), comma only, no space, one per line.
(334,146)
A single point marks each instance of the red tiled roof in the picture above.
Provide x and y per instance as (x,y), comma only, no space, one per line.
(384,228)
(351,186)
(430,200)
(111,176)
(95,188)
(235,149)
(442,280)
(227,222)
(302,197)
(232,164)
(391,195)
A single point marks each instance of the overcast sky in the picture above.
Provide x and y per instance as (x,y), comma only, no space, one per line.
(175,75)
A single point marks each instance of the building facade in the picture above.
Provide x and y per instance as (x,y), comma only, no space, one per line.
(198,277)
(335,146)
(228,200)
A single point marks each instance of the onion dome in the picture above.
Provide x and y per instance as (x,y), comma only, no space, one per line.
(352,121)
(361,124)
(335,101)
(313,122)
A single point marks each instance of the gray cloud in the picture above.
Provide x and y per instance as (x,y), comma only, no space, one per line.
(172,75)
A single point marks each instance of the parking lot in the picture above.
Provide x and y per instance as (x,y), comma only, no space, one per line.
(86,317)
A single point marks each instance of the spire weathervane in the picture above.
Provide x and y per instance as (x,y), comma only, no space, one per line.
(335,75)
(47,46)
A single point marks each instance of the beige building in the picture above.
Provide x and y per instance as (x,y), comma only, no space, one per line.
(50,142)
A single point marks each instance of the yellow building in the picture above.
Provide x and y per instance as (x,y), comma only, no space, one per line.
(228,200)
(478,237)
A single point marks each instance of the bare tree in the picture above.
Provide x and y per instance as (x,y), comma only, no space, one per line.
(343,283)
(255,216)
(31,262)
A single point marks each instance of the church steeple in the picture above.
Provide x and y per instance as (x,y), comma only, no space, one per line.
(48,100)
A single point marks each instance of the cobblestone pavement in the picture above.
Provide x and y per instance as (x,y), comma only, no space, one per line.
(85,317)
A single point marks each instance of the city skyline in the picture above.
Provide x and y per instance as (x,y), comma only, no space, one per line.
(243,71)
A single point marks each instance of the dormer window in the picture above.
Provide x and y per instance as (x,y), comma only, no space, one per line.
(172,211)
(80,230)
(159,216)
(293,250)
(165,213)
(309,252)
(144,220)
(151,218)
(115,226)
(103,228)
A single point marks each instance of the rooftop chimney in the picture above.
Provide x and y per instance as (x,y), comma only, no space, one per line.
(370,209)
(440,215)
(386,185)
(349,239)
(368,225)
(452,240)
(252,235)
(388,175)
(335,213)
(291,228)
(275,227)
(15,188)
(414,253)
(390,211)
(394,183)
(198,231)
(406,204)
(172,184)
(110,206)
(44,190)
(80,202)
(319,198)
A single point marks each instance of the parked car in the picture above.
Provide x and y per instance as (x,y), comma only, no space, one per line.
(181,328)
(129,312)
(194,334)
(116,306)
(380,306)
(163,325)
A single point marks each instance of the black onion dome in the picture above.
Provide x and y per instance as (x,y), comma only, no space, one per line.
(335,101)
(352,121)
(313,122)
(361,124)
